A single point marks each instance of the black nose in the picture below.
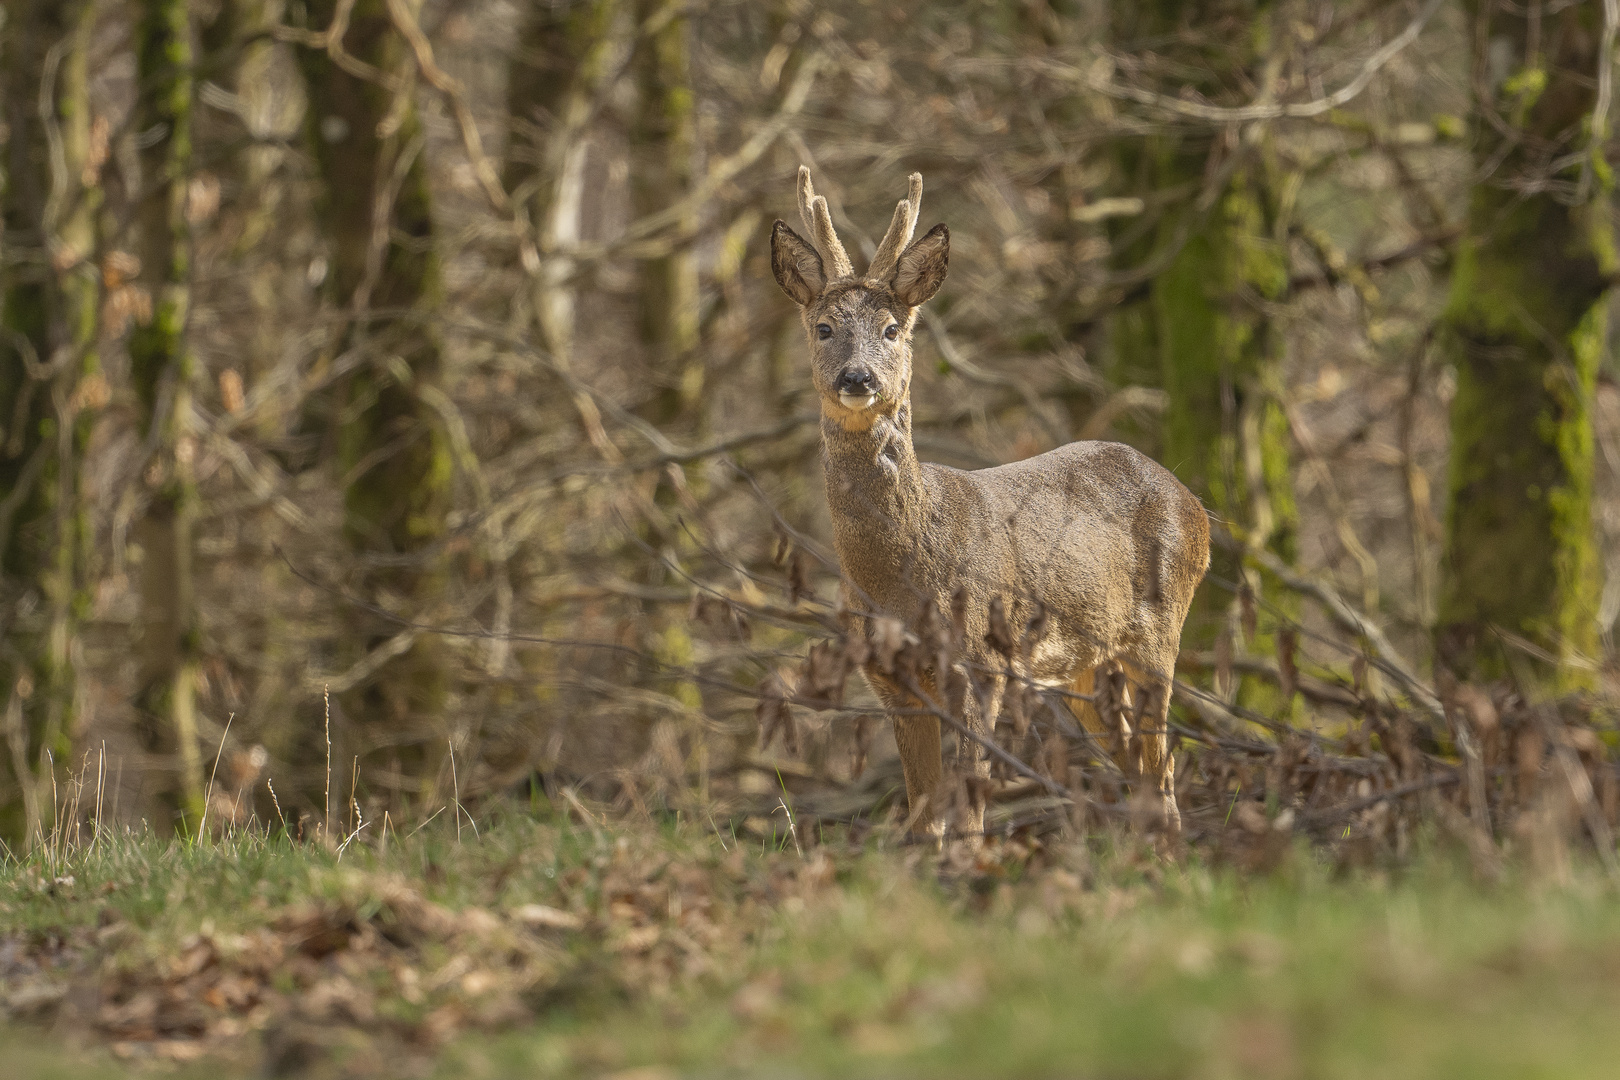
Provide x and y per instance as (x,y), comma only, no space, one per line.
(857,380)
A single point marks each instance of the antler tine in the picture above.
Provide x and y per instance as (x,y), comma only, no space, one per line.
(899,234)
(807,195)
(818,221)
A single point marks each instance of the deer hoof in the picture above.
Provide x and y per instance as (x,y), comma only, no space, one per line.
(1171,815)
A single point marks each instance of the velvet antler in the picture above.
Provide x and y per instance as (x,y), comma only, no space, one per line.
(818,222)
(899,234)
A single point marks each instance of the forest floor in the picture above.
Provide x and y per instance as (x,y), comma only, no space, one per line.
(547,947)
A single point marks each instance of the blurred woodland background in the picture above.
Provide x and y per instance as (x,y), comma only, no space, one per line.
(401,385)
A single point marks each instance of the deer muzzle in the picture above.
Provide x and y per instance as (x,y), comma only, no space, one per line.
(857,387)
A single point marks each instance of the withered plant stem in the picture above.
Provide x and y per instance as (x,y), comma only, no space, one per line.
(277,804)
(326,805)
(208,796)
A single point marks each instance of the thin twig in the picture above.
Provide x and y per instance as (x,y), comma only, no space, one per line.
(1580,786)
(1385,655)
(1103,83)
(1599,132)
(452,89)
(1334,813)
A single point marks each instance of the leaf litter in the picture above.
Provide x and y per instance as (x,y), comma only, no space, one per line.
(365,967)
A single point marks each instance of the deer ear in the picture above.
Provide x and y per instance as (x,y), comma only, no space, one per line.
(920,270)
(796,265)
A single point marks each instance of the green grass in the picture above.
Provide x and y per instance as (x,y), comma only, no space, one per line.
(701,958)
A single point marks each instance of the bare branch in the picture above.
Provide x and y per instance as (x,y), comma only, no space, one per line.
(1103,83)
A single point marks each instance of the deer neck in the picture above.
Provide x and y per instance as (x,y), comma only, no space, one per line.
(875,494)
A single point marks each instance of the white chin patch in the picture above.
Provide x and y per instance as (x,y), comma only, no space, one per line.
(857,401)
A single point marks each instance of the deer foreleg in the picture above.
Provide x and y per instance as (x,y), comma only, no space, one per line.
(916,735)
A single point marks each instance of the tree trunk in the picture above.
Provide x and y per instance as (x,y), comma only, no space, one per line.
(162,369)
(375,212)
(239,51)
(50,384)
(663,158)
(1202,333)
(1526,328)
(562,59)
(1223,434)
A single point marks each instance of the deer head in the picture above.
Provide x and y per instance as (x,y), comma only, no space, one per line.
(859,328)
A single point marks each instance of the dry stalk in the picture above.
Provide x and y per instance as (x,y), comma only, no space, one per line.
(326,804)
(208,796)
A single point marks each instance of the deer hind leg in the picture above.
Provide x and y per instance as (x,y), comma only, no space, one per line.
(977,706)
(1113,729)
(1142,750)
(1152,689)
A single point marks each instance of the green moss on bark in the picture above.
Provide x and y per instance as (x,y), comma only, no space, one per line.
(664,146)
(1202,332)
(162,369)
(1215,349)
(1525,330)
(1203,336)
(391,447)
(48,305)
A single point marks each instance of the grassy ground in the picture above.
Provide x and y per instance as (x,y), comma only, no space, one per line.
(542,948)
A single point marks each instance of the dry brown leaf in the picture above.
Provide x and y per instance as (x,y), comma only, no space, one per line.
(1249,817)
(546,917)
(887,637)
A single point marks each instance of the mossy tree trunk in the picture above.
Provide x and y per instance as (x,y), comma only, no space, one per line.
(663,163)
(563,55)
(663,148)
(1203,336)
(555,87)
(375,212)
(1201,331)
(162,369)
(50,386)
(1525,329)
(239,51)
(1217,351)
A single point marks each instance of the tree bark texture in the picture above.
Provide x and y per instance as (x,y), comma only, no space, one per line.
(50,387)
(663,159)
(375,212)
(162,370)
(1217,260)
(1525,328)
(564,54)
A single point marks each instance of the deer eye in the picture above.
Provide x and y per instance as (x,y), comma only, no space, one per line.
(892,331)
(823,331)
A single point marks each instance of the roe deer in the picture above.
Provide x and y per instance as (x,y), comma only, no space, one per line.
(1094,543)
